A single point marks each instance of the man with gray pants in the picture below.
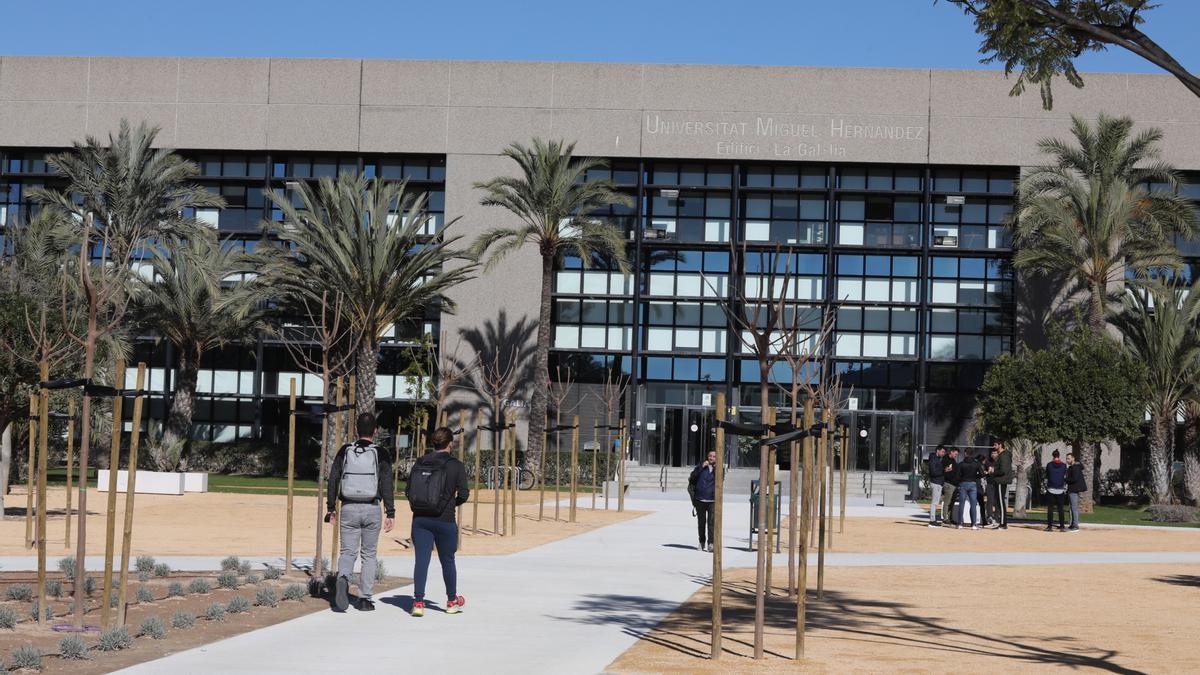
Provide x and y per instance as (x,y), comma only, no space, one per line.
(361,477)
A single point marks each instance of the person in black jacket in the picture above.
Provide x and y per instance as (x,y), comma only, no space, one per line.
(999,478)
(950,476)
(440,530)
(359,524)
(1056,490)
(1076,484)
(937,480)
(704,494)
(969,473)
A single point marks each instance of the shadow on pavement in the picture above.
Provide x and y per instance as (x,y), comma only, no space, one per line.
(1191,580)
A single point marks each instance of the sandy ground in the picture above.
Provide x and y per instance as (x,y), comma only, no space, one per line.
(1117,618)
(888,535)
(220,524)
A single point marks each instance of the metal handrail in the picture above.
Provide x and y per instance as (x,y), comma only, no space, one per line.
(662,478)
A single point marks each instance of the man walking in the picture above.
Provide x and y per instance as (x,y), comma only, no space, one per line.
(703,482)
(937,479)
(1000,476)
(968,476)
(950,476)
(362,478)
(1056,489)
(1076,483)
(436,488)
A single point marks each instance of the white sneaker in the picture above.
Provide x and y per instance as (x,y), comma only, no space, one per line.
(975,527)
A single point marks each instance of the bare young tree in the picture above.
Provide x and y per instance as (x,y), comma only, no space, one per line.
(560,389)
(612,393)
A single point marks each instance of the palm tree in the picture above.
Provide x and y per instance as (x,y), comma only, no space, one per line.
(198,296)
(1160,327)
(366,241)
(554,202)
(1089,213)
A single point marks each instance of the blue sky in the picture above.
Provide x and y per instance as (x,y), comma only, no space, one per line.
(890,33)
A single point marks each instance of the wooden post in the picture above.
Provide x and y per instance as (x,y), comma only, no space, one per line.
(769,493)
(793,496)
(622,442)
(762,549)
(502,482)
(514,479)
(595,460)
(43,434)
(478,475)
(802,580)
(842,483)
(542,470)
(822,448)
(607,456)
(130,491)
(717,510)
(291,475)
(831,448)
(30,463)
(557,462)
(574,467)
(114,463)
(70,465)
(339,439)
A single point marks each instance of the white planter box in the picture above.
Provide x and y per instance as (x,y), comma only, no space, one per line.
(148,482)
(195,481)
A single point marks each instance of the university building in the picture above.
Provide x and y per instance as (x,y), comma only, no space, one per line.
(884,191)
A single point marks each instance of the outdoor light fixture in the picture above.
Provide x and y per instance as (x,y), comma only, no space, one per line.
(955,200)
(669,194)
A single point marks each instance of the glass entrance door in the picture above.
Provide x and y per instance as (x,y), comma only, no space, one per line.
(887,444)
(678,435)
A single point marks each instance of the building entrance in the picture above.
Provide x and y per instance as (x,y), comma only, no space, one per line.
(887,444)
(677,435)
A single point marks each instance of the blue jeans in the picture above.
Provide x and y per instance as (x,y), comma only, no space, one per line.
(970,495)
(1074,497)
(426,533)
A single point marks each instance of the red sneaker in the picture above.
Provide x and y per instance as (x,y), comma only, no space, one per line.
(418,608)
(454,605)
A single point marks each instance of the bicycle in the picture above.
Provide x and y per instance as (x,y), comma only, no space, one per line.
(501,477)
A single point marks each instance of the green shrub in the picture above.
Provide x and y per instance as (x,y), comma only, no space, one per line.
(67,567)
(215,612)
(183,620)
(33,611)
(266,597)
(143,576)
(175,590)
(227,580)
(115,639)
(19,592)
(114,598)
(144,594)
(244,567)
(89,586)
(253,579)
(152,627)
(54,588)
(144,563)
(27,657)
(199,586)
(272,572)
(237,604)
(72,648)
(162,570)
(231,564)
(294,592)
(8,618)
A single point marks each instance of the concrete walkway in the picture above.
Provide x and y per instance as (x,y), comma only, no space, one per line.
(570,606)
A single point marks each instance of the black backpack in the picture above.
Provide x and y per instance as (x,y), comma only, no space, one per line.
(427,494)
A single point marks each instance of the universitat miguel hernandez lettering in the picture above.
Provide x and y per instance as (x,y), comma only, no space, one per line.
(767,136)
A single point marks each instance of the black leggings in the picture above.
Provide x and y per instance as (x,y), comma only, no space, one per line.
(1056,501)
(426,533)
(705,521)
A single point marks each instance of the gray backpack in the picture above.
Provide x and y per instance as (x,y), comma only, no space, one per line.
(360,473)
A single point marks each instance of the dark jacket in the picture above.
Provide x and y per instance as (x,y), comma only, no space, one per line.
(969,470)
(1003,471)
(1056,475)
(937,472)
(387,489)
(1076,483)
(456,483)
(950,470)
(705,480)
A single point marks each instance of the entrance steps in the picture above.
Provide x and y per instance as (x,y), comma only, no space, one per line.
(737,481)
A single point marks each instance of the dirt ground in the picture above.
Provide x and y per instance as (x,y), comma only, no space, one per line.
(176,639)
(1117,618)
(889,535)
(221,524)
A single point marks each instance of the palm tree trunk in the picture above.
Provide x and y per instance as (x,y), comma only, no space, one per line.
(1096,307)
(1086,453)
(1161,430)
(1021,484)
(541,376)
(1191,451)
(366,369)
(5,463)
(178,431)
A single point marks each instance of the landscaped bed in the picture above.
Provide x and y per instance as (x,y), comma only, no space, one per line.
(191,608)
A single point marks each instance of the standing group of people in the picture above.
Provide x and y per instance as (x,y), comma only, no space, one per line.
(975,484)
(361,479)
